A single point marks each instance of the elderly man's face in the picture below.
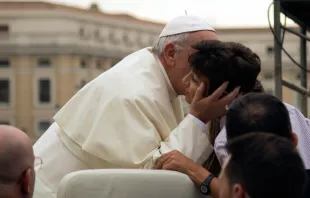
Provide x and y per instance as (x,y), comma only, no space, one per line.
(178,59)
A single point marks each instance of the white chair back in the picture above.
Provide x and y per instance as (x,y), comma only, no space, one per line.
(127,183)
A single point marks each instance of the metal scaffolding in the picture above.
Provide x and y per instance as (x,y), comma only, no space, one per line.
(302,88)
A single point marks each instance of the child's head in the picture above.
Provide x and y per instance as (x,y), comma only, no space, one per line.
(216,62)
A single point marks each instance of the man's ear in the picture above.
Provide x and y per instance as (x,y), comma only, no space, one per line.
(26,182)
(169,54)
(294,139)
(238,191)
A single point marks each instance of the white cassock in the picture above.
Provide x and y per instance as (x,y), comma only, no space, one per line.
(125,118)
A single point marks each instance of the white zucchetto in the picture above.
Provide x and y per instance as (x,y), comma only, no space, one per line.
(186,23)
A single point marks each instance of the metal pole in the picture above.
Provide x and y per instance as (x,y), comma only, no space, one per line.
(299,34)
(297,88)
(303,72)
(277,50)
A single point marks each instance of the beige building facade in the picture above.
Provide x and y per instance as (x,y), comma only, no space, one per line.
(49,51)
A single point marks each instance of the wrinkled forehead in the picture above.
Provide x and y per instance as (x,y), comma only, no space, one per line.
(195,37)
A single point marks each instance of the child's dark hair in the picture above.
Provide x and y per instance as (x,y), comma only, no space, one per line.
(220,62)
(226,61)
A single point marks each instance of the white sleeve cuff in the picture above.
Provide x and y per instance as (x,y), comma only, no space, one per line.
(202,125)
(191,139)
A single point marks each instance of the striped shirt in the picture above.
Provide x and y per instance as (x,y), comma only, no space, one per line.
(300,126)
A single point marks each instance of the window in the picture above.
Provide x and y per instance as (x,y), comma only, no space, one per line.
(4,29)
(268,76)
(4,91)
(4,63)
(126,39)
(139,39)
(269,50)
(82,32)
(2,122)
(43,126)
(99,64)
(97,34)
(113,37)
(4,32)
(44,91)
(44,62)
(83,63)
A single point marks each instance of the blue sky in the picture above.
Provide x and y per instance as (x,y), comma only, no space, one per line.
(219,13)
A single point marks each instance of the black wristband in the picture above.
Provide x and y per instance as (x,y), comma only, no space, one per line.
(205,185)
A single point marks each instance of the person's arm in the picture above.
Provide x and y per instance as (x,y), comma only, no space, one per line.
(187,138)
(191,139)
(127,132)
(195,144)
(202,110)
(176,161)
(198,174)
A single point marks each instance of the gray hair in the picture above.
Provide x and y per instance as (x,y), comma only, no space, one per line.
(159,46)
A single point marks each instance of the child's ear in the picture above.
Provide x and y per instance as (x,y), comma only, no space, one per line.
(294,139)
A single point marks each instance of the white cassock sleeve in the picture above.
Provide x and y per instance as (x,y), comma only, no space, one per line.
(194,145)
(189,137)
(130,134)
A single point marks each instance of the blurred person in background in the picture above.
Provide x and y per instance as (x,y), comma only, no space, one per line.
(299,125)
(17,173)
(253,112)
(262,165)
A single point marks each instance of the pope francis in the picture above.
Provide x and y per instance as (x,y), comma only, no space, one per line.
(129,115)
